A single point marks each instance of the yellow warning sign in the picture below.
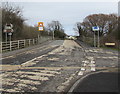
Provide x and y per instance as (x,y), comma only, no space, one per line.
(40,26)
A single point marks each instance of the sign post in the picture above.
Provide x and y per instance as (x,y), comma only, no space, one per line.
(98,39)
(94,40)
(53,34)
(6,36)
(8,30)
(96,28)
(40,28)
(10,34)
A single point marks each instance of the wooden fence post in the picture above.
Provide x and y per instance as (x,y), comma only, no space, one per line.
(10,45)
(24,43)
(1,47)
(18,44)
(33,41)
(29,42)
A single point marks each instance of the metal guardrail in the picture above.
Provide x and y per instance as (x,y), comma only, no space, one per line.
(19,44)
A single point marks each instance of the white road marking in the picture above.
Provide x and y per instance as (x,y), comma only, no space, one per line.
(89,57)
(82,69)
(65,84)
(84,64)
(23,81)
(92,62)
(86,61)
(47,71)
(92,65)
(80,73)
(113,57)
(92,68)
(53,59)
(100,51)
(33,77)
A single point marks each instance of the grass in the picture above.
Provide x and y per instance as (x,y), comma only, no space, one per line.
(111,48)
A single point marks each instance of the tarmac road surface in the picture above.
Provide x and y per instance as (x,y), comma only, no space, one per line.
(99,82)
(53,67)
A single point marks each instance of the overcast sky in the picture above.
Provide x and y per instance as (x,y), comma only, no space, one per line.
(68,13)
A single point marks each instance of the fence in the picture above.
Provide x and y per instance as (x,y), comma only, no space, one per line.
(19,44)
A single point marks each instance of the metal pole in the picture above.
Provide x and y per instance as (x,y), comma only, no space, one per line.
(53,34)
(6,36)
(10,37)
(38,39)
(98,40)
(94,40)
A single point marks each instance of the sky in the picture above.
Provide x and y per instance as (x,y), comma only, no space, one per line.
(67,13)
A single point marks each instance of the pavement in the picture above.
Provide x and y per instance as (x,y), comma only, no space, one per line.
(53,67)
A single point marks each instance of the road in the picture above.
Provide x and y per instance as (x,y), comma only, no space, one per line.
(54,66)
(99,82)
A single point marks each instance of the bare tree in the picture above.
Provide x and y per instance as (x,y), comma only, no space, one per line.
(78,28)
(12,14)
(106,22)
(113,23)
(55,26)
(57,29)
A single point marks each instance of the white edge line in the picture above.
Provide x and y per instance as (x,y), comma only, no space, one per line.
(78,81)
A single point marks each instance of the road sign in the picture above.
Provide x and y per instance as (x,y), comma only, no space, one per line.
(40,26)
(95,28)
(8,28)
(10,34)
